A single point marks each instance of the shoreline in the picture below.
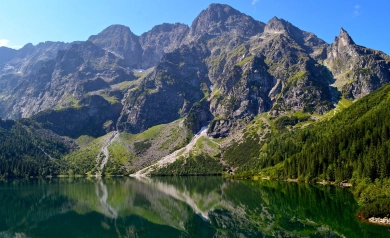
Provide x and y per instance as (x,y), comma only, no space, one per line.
(380,221)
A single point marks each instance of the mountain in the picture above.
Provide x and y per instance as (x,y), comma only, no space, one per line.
(141,98)
(6,54)
(219,20)
(358,71)
(160,40)
(120,41)
(140,52)
(65,80)
(29,58)
(17,65)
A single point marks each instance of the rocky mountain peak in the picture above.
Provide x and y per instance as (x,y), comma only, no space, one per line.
(26,49)
(119,40)
(113,36)
(276,25)
(218,12)
(279,25)
(344,38)
(215,13)
(220,19)
(113,30)
(27,46)
(160,40)
(166,27)
(343,45)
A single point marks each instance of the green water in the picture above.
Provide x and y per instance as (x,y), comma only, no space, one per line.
(177,207)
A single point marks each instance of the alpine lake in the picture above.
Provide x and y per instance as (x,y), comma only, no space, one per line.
(177,207)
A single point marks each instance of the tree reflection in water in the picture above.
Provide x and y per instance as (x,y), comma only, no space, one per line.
(176,207)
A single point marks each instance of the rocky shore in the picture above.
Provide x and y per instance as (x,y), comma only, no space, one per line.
(378,220)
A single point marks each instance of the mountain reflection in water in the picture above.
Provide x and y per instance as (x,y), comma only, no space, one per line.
(177,207)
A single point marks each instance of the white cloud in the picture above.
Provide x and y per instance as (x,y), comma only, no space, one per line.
(254,2)
(357,11)
(16,47)
(4,42)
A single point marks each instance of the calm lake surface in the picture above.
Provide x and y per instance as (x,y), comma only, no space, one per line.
(177,207)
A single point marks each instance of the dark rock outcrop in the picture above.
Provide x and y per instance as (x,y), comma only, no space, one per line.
(168,92)
(94,117)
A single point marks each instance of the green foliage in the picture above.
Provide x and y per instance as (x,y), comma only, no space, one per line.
(25,152)
(71,102)
(205,89)
(245,60)
(363,71)
(240,153)
(206,145)
(174,136)
(256,126)
(192,121)
(298,76)
(344,103)
(353,145)
(150,133)
(121,157)
(293,81)
(141,146)
(239,51)
(217,94)
(374,197)
(284,121)
(111,99)
(83,161)
(355,140)
(193,165)
(84,140)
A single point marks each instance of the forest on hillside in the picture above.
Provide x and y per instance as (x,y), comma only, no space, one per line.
(26,150)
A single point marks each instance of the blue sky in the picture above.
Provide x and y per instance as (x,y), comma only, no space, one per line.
(24,21)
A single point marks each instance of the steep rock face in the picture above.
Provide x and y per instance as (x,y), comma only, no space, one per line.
(219,20)
(120,41)
(199,116)
(6,54)
(358,70)
(160,40)
(17,65)
(94,117)
(308,41)
(141,52)
(65,80)
(301,83)
(271,72)
(178,81)
(244,92)
(30,58)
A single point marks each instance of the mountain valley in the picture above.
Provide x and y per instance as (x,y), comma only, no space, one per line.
(271,100)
